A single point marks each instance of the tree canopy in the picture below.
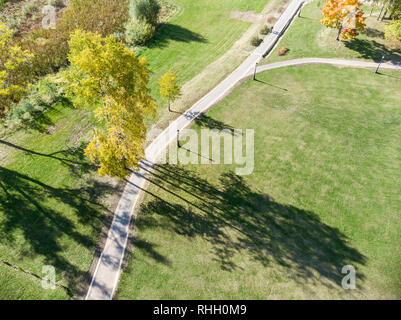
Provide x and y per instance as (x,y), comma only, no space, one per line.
(344,15)
(11,56)
(169,87)
(106,75)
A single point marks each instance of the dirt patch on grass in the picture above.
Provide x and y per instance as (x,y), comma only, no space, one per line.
(247,16)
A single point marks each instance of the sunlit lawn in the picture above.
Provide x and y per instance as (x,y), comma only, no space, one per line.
(51,206)
(307,37)
(325,193)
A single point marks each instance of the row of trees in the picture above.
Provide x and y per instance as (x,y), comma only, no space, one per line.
(48,48)
(105,74)
(389,8)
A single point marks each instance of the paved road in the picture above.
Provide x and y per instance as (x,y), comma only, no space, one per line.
(108,269)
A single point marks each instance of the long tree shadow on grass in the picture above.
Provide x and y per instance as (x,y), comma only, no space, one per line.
(37,218)
(72,157)
(167,32)
(374,50)
(267,231)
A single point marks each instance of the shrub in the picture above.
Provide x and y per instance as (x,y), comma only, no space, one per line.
(393,31)
(50,47)
(30,109)
(265,30)
(147,10)
(282,51)
(57,3)
(139,32)
(256,41)
(281,10)
(28,8)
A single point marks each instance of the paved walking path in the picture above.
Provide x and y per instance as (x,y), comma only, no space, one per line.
(330,61)
(108,269)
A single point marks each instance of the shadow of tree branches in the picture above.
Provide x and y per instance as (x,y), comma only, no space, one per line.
(167,32)
(39,217)
(373,50)
(265,230)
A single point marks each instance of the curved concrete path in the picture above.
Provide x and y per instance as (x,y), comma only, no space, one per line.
(105,279)
(106,275)
(330,61)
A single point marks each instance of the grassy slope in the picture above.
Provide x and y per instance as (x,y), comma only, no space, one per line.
(309,38)
(51,207)
(51,211)
(324,193)
(200,33)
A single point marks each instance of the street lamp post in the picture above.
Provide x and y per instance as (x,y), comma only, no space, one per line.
(178,138)
(378,66)
(254,72)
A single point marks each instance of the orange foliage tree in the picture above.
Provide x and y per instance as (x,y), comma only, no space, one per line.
(344,15)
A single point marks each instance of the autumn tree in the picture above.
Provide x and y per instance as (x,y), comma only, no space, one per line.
(107,76)
(11,57)
(344,15)
(170,90)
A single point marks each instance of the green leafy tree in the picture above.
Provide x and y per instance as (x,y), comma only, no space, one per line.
(170,90)
(147,10)
(105,74)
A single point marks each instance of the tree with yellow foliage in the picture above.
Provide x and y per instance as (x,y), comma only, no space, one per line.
(344,15)
(105,74)
(170,90)
(11,56)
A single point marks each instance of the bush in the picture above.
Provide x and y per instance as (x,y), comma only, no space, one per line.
(28,8)
(265,30)
(147,10)
(393,31)
(139,32)
(29,110)
(256,41)
(57,3)
(282,51)
(50,47)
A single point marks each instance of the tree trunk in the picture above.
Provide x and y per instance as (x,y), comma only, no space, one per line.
(338,35)
(385,12)
(169,109)
(378,18)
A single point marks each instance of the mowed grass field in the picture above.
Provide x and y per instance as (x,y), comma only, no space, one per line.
(199,33)
(325,193)
(52,205)
(307,37)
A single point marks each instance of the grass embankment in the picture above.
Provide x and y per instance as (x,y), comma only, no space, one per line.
(324,194)
(307,38)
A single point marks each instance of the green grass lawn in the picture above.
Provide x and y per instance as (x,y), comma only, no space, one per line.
(52,207)
(51,203)
(307,37)
(325,193)
(196,36)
